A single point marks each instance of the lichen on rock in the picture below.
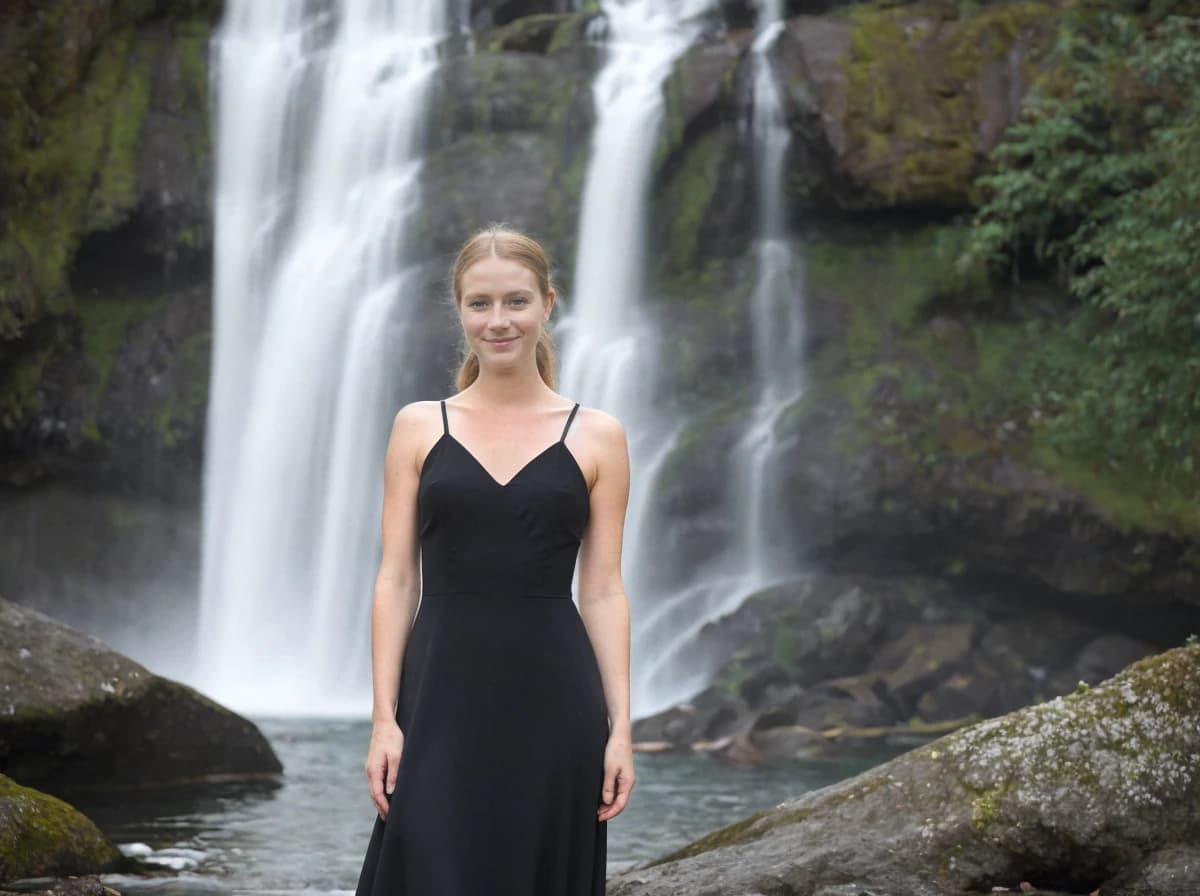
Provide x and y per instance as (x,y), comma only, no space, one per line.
(42,835)
(1067,794)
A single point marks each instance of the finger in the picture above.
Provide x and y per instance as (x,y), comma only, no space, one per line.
(615,809)
(610,786)
(393,769)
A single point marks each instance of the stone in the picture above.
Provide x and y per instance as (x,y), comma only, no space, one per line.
(42,835)
(76,715)
(1079,793)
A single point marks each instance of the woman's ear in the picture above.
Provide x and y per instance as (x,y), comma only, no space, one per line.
(550,296)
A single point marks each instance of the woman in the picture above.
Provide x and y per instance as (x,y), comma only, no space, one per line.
(503,747)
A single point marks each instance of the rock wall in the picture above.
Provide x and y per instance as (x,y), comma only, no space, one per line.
(105,251)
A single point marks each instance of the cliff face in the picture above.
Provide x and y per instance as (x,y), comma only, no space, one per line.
(104,254)
(910,451)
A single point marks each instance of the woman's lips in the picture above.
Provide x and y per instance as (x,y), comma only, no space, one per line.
(501,343)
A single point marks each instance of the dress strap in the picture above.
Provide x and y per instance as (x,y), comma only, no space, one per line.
(569,419)
(445,422)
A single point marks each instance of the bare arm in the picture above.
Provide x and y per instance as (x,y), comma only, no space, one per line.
(604,606)
(397,591)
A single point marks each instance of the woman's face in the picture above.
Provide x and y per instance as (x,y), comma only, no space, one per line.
(502,311)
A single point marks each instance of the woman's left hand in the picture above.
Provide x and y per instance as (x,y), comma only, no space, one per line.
(618,777)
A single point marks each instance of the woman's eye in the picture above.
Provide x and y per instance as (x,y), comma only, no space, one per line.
(520,301)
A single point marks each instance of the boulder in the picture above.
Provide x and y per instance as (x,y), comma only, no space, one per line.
(41,835)
(882,656)
(1097,789)
(76,715)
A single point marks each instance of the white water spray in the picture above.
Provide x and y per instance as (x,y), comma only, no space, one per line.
(609,345)
(320,126)
(674,669)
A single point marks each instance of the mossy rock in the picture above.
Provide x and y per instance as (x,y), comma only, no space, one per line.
(1066,794)
(41,835)
(928,91)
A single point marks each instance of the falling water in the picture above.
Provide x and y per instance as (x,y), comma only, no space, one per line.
(321,117)
(609,344)
(673,669)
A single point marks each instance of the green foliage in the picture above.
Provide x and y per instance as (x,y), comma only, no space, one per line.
(1098,186)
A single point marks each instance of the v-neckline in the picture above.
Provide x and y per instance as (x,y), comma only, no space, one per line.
(516,475)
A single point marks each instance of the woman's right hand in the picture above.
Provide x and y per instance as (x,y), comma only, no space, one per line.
(383,761)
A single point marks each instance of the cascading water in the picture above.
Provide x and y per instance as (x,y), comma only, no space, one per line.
(670,668)
(608,344)
(321,118)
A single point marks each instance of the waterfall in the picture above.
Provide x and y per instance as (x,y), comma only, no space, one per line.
(672,669)
(320,126)
(608,342)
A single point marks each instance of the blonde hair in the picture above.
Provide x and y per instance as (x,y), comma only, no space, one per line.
(501,241)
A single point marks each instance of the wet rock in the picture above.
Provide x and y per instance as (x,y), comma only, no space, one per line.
(1171,871)
(42,835)
(76,715)
(923,655)
(789,742)
(1082,792)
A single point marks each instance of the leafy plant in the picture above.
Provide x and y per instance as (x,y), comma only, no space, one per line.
(1098,187)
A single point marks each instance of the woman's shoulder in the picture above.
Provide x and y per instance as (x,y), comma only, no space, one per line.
(416,418)
(601,424)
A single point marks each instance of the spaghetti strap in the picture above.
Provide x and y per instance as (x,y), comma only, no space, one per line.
(569,419)
(445,422)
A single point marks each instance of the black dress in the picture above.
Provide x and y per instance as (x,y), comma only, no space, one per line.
(501,701)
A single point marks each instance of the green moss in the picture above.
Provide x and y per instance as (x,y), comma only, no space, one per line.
(689,196)
(42,835)
(19,381)
(783,643)
(183,412)
(78,164)
(1127,500)
(912,119)
(985,804)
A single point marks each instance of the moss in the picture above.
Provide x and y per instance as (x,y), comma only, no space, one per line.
(19,381)
(1126,499)
(181,414)
(783,643)
(41,835)
(104,325)
(192,39)
(689,197)
(912,119)
(78,164)
(984,805)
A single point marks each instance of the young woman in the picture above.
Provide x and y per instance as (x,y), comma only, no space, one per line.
(501,740)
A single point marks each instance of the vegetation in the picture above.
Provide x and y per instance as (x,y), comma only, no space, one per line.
(1098,188)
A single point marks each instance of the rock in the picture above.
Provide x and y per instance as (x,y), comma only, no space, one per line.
(75,715)
(803,631)
(923,655)
(1171,871)
(488,13)
(1106,655)
(710,715)
(42,835)
(1076,794)
(913,97)
(112,205)
(789,742)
